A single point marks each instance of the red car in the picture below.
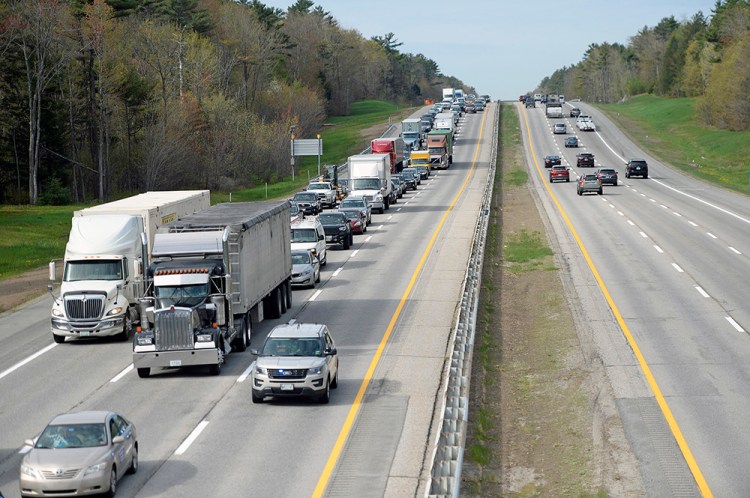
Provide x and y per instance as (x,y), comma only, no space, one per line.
(356,220)
(559,174)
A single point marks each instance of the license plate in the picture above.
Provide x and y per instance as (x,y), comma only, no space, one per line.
(85,333)
(175,363)
(287,387)
(329,238)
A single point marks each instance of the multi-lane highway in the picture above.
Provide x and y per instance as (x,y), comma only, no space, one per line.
(389,302)
(660,269)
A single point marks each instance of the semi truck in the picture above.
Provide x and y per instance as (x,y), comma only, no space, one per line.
(394,147)
(411,132)
(105,261)
(214,274)
(445,121)
(448,94)
(440,148)
(370,177)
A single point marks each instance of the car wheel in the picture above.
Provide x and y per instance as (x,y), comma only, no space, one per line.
(364,228)
(580,193)
(59,339)
(112,482)
(568,180)
(134,462)
(345,243)
(144,373)
(324,261)
(325,397)
(601,192)
(256,399)
(335,381)
(645,176)
(317,279)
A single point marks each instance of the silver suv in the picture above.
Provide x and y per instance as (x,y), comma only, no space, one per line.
(296,360)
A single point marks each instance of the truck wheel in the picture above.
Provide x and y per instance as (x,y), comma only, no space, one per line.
(59,339)
(241,341)
(123,336)
(143,373)
(282,290)
(216,368)
(273,304)
(288,285)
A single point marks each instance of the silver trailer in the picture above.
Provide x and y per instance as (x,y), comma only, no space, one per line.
(213,275)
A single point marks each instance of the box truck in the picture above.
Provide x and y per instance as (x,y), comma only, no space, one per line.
(214,274)
(105,262)
(370,177)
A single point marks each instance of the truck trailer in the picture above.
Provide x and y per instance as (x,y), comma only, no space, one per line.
(394,147)
(370,177)
(214,274)
(553,109)
(106,258)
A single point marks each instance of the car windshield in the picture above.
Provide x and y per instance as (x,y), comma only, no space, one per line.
(93,270)
(72,436)
(351,214)
(300,258)
(330,218)
(180,295)
(365,184)
(292,346)
(305,197)
(318,186)
(590,178)
(352,203)
(304,235)
(410,171)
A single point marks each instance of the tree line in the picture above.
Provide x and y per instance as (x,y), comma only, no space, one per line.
(703,57)
(103,97)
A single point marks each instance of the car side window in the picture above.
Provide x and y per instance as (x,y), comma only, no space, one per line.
(117,426)
(329,341)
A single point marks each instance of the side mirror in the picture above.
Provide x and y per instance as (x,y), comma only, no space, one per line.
(52,270)
(28,442)
(254,351)
(331,352)
(321,237)
(118,439)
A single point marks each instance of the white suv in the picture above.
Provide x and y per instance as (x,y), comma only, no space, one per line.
(308,235)
(296,360)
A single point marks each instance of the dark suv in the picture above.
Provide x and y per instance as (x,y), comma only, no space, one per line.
(337,228)
(636,167)
(585,159)
(308,202)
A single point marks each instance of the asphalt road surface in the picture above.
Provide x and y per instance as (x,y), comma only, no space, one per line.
(390,303)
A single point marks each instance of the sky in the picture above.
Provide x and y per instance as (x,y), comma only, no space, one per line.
(504,48)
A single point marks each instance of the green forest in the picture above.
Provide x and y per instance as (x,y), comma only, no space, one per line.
(100,98)
(707,57)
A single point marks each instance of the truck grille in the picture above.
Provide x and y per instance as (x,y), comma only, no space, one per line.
(84,306)
(369,198)
(287,373)
(174,329)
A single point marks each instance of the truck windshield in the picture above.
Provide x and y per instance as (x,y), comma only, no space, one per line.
(93,270)
(181,295)
(411,134)
(436,150)
(365,184)
(304,235)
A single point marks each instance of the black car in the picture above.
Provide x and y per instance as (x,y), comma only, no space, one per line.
(337,228)
(571,142)
(575,112)
(636,167)
(550,161)
(530,102)
(308,202)
(585,160)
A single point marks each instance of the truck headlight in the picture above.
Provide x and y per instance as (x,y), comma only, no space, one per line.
(115,311)
(379,197)
(342,229)
(204,338)
(57,312)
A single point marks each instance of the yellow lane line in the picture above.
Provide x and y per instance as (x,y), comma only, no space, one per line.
(354,410)
(686,453)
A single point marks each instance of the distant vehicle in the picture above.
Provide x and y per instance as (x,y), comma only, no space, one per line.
(562,98)
(608,176)
(585,123)
(585,160)
(305,269)
(530,102)
(559,174)
(521,98)
(537,97)
(337,229)
(553,110)
(479,105)
(415,174)
(560,129)
(470,109)
(81,453)
(325,192)
(308,202)
(551,160)
(575,112)
(571,142)
(296,360)
(309,235)
(357,220)
(589,183)
(636,167)
(360,203)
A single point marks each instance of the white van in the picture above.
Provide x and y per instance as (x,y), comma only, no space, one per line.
(308,234)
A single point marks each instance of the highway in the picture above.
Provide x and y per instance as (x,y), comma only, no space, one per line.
(390,303)
(659,268)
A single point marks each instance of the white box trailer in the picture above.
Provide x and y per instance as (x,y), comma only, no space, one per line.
(106,259)
(370,177)
(214,274)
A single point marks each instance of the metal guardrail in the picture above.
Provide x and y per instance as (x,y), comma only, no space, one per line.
(445,473)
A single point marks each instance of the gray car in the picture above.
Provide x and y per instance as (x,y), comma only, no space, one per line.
(359,203)
(296,360)
(84,453)
(589,183)
(305,269)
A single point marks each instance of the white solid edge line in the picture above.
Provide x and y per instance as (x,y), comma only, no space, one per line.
(27,360)
(246,373)
(315,295)
(734,324)
(122,374)
(191,438)
(701,291)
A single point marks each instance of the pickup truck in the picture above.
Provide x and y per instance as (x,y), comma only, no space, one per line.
(325,192)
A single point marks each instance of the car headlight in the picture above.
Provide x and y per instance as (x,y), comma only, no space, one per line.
(28,470)
(307,271)
(315,371)
(260,370)
(115,311)
(204,338)
(96,468)
(379,197)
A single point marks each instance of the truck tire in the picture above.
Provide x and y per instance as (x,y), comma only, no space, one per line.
(283,291)
(450,159)
(242,340)
(288,285)
(125,334)
(59,339)
(215,369)
(144,373)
